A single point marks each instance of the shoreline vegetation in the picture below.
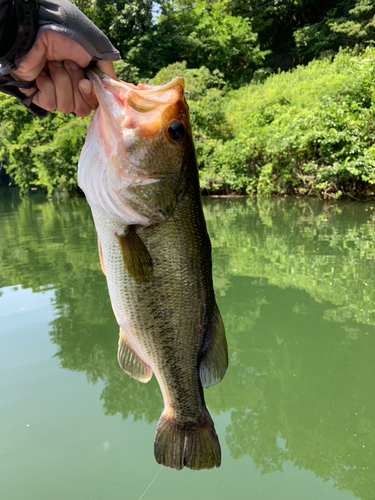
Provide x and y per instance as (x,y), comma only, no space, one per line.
(291,114)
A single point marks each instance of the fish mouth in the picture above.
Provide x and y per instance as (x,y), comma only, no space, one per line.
(137,106)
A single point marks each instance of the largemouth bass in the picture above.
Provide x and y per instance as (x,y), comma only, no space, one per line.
(139,174)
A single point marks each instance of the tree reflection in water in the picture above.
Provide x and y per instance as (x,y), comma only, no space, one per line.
(296,288)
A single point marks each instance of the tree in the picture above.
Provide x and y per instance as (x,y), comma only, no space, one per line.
(295,31)
(360,27)
(123,21)
(38,152)
(202,33)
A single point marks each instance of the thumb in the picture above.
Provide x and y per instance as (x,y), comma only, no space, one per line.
(107,67)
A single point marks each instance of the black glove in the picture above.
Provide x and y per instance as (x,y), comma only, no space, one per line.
(25,21)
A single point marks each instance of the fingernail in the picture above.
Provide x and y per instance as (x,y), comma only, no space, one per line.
(72,65)
(85,86)
(57,64)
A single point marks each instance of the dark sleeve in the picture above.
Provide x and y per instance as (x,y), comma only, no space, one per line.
(4,10)
(19,27)
(65,18)
(22,21)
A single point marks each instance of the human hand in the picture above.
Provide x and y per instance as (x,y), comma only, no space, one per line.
(55,62)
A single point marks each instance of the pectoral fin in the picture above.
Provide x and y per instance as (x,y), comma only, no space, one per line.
(137,258)
(130,362)
(214,362)
(101,256)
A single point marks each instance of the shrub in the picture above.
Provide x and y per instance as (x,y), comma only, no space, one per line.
(308,131)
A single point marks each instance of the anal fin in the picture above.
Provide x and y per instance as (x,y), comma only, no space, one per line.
(214,361)
(130,362)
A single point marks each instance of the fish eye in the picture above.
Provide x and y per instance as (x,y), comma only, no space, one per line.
(176,131)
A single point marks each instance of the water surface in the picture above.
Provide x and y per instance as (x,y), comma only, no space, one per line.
(295,413)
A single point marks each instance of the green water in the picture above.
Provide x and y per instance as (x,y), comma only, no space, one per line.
(295,413)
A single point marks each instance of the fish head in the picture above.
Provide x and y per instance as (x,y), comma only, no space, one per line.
(133,162)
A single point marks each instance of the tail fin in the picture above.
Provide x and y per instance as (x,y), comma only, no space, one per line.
(196,446)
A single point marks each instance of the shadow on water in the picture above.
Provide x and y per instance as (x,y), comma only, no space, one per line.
(295,282)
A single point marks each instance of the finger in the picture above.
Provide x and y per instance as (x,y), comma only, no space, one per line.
(81,108)
(33,64)
(86,88)
(50,46)
(63,87)
(28,92)
(60,48)
(107,67)
(46,97)
(88,94)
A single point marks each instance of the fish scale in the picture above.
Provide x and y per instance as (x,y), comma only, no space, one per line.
(152,314)
(159,271)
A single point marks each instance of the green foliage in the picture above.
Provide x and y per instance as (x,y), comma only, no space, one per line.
(41,153)
(197,80)
(277,22)
(13,118)
(208,32)
(344,25)
(298,31)
(306,132)
(202,33)
(314,39)
(123,21)
(310,131)
(127,72)
(230,36)
(360,27)
(223,41)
